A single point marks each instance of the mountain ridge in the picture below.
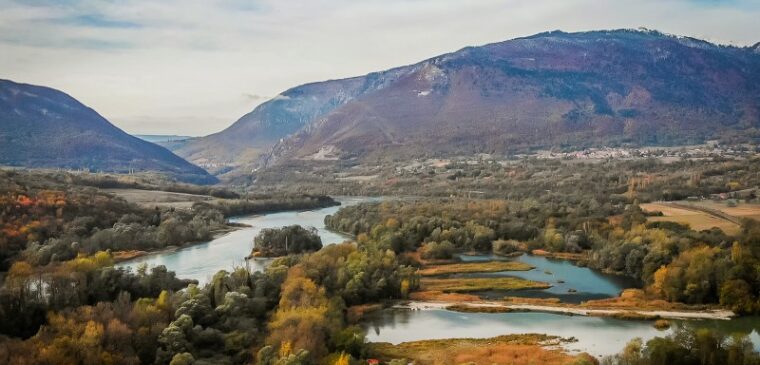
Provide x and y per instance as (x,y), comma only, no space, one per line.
(44,127)
(551,89)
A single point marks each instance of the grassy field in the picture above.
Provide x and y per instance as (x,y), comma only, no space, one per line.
(509,349)
(741,210)
(697,220)
(155,198)
(474,267)
(464,285)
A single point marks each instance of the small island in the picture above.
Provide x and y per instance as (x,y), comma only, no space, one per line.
(294,239)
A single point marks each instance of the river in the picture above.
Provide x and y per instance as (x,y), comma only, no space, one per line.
(596,335)
(599,336)
(201,261)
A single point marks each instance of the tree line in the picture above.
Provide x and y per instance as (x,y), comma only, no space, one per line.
(670,260)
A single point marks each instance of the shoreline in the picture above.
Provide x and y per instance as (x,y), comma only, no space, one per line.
(720,314)
(120,257)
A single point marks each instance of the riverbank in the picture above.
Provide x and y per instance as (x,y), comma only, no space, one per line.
(630,313)
(507,349)
(474,267)
(127,255)
(227,252)
(466,285)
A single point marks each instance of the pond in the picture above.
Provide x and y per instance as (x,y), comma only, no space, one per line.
(563,275)
(598,336)
(201,261)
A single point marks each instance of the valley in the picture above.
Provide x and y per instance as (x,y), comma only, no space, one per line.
(414,320)
(568,198)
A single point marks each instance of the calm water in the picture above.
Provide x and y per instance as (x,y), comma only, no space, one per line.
(588,284)
(596,335)
(202,261)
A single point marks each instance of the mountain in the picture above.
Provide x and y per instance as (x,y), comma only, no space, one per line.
(256,132)
(555,89)
(44,127)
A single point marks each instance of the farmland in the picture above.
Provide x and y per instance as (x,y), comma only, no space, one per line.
(696,219)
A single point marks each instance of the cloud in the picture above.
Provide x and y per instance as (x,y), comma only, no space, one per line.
(255,97)
(96,21)
(186,63)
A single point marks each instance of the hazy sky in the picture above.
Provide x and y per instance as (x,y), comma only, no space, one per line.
(193,67)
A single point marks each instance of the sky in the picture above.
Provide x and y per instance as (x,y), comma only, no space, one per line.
(193,67)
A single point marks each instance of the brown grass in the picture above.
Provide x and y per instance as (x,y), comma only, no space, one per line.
(473,267)
(695,219)
(561,255)
(638,299)
(154,198)
(439,296)
(534,301)
(463,285)
(742,210)
(662,324)
(119,256)
(510,349)
(355,313)
(628,315)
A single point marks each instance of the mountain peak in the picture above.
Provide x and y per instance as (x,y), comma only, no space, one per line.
(44,127)
(595,88)
(629,34)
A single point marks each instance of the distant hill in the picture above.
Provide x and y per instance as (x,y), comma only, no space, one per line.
(44,127)
(161,138)
(555,89)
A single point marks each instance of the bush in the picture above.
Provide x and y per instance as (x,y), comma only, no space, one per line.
(507,247)
(439,251)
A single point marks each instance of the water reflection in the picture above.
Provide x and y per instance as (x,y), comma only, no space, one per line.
(598,336)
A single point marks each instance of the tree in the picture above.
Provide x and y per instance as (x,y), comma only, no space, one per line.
(305,318)
(184,358)
(272,242)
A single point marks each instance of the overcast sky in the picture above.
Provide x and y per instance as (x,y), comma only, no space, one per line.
(192,67)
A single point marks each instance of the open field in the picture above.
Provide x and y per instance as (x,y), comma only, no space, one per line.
(464,285)
(475,267)
(697,220)
(509,349)
(155,198)
(741,210)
